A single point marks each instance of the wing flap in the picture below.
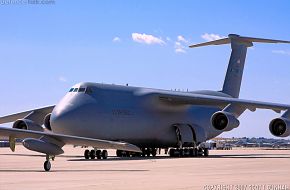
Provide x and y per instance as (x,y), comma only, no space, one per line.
(68,139)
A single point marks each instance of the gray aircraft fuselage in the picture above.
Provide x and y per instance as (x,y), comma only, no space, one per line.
(140,117)
(130,114)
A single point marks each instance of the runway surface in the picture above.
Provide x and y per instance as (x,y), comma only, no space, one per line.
(231,169)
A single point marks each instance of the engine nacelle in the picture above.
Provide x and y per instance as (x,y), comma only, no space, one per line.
(224,121)
(46,121)
(27,124)
(41,146)
(280,127)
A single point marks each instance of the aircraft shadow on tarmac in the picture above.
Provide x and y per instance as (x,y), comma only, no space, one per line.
(41,155)
(78,158)
(69,170)
(253,156)
(114,158)
(243,156)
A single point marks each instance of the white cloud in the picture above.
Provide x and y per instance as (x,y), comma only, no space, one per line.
(181,39)
(180,44)
(283,52)
(147,39)
(211,37)
(62,79)
(179,48)
(168,39)
(116,39)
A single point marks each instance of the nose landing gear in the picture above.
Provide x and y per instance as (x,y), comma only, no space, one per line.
(47,164)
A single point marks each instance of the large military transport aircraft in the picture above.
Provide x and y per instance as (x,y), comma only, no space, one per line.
(136,121)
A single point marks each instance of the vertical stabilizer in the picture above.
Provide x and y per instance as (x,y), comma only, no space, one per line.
(239,45)
(234,75)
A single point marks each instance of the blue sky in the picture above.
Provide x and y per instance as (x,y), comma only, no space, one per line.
(45,49)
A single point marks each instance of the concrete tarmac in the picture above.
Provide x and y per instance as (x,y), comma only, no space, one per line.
(222,170)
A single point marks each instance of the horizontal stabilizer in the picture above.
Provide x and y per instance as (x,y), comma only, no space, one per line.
(215,42)
(241,39)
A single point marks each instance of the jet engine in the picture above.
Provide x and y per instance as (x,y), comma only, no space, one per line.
(27,124)
(39,145)
(280,127)
(46,121)
(224,121)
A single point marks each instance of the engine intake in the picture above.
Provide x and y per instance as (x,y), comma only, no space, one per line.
(280,127)
(225,121)
(27,124)
(46,121)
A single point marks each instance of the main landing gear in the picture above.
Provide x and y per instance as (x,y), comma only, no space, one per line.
(188,152)
(47,164)
(146,152)
(92,154)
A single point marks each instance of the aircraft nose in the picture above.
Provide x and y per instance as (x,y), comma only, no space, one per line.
(69,114)
(62,117)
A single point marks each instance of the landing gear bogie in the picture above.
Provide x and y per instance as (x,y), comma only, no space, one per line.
(146,152)
(188,152)
(92,154)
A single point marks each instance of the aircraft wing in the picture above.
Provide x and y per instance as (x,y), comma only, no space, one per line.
(68,139)
(36,115)
(217,101)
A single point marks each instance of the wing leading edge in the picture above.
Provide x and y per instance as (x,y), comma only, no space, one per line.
(36,115)
(68,139)
(209,100)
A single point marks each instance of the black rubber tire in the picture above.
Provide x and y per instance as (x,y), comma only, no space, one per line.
(104,154)
(143,152)
(138,154)
(181,152)
(191,152)
(176,153)
(127,154)
(47,166)
(118,153)
(186,152)
(205,152)
(171,152)
(99,154)
(195,152)
(92,154)
(148,152)
(154,152)
(87,154)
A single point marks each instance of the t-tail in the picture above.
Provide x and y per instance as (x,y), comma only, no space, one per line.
(239,45)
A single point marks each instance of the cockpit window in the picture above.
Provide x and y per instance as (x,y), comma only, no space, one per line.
(82,89)
(89,90)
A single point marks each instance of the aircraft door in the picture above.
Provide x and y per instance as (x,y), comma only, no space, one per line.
(185,135)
